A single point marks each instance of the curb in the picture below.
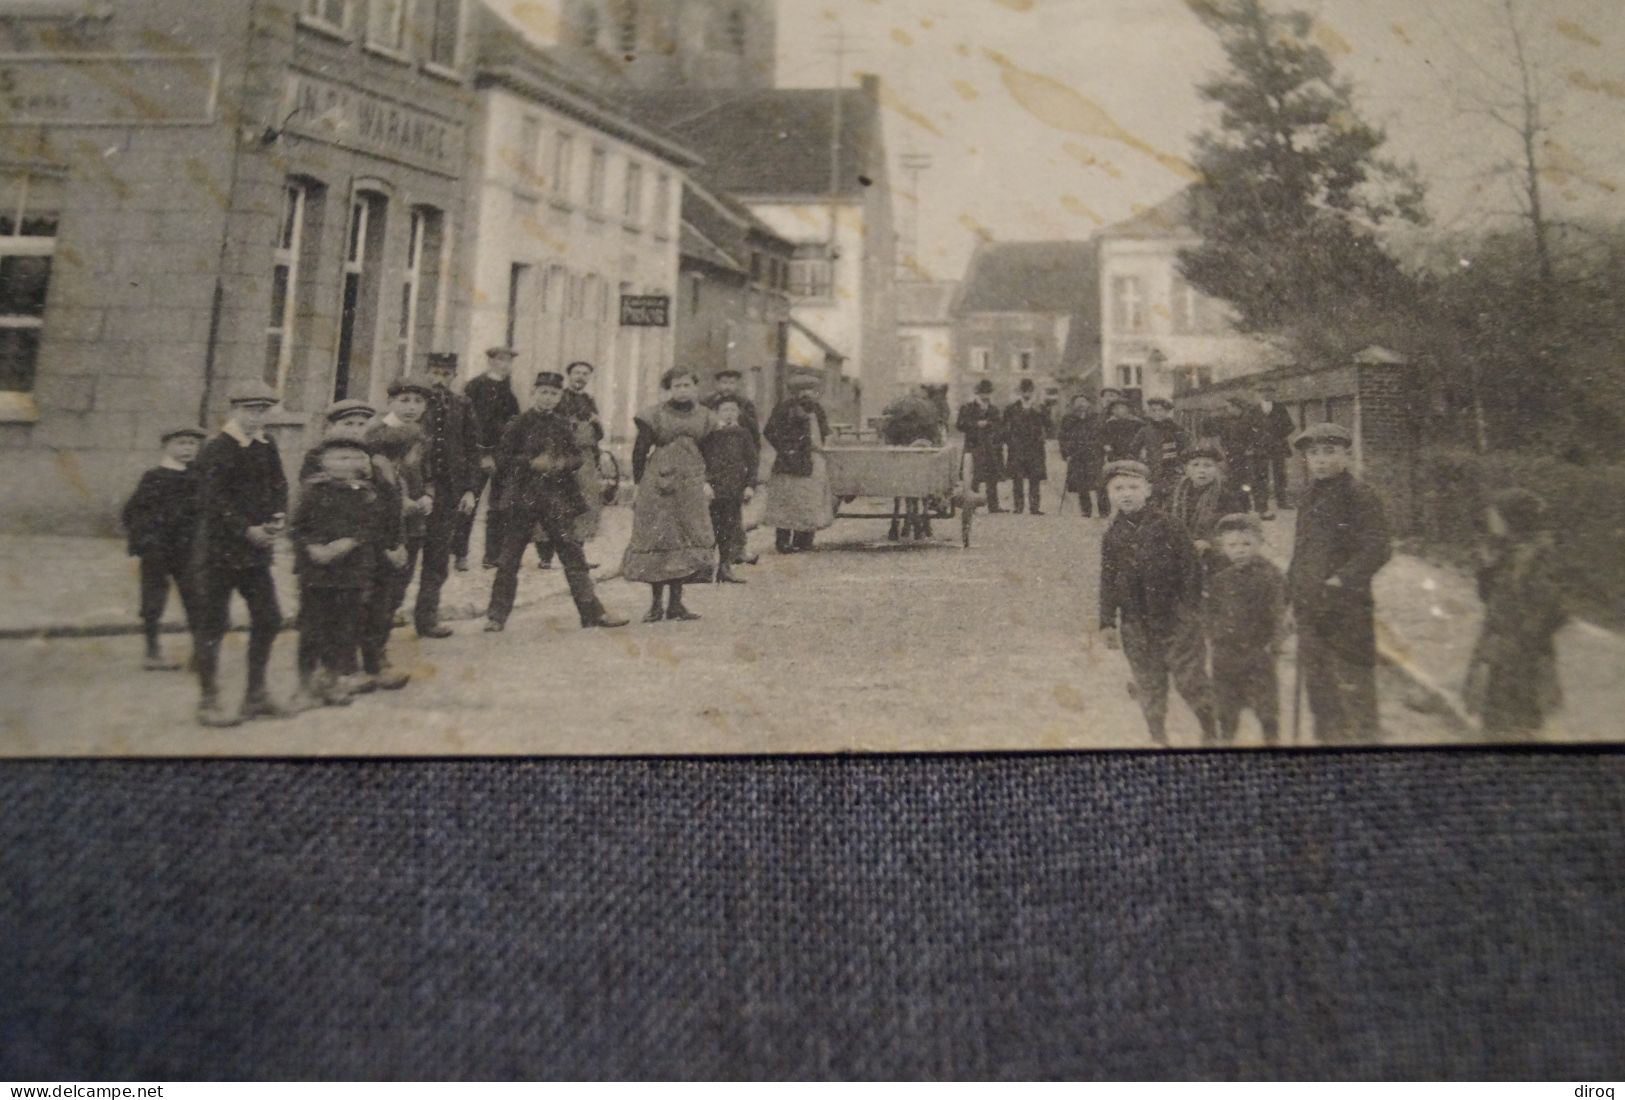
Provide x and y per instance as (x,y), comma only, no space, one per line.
(130,629)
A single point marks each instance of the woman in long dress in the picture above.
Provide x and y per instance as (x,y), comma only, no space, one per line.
(798,496)
(672,540)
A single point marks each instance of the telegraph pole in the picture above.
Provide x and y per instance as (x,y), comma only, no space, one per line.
(840,46)
(914,165)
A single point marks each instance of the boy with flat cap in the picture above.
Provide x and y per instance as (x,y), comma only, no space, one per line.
(982,426)
(1341,541)
(160,521)
(494,404)
(243,501)
(537,460)
(726,383)
(1150,602)
(1202,497)
(1161,446)
(1244,615)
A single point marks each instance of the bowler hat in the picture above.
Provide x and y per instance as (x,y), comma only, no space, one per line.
(253,393)
(442,360)
(338,410)
(550,378)
(176,433)
(409,385)
(984,386)
(1125,468)
(1324,432)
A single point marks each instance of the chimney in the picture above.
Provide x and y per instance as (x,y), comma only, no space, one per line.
(871,86)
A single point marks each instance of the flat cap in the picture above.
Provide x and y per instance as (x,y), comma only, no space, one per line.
(727,372)
(1125,468)
(1239,521)
(984,386)
(549,378)
(581,363)
(410,385)
(1162,401)
(441,360)
(340,443)
(1202,452)
(187,431)
(338,410)
(498,352)
(1026,385)
(806,382)
(1324,432)
(253,393)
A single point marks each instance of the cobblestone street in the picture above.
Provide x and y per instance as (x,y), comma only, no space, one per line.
(860,646)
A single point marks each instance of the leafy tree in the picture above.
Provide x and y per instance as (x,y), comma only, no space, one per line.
(1292,190)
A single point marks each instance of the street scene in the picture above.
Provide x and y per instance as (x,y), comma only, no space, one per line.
(721,377)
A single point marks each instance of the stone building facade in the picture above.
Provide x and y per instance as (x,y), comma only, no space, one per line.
(249,189)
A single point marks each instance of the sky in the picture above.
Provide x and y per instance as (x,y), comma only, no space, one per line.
(1052,118)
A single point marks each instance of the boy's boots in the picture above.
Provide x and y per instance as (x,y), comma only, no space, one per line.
(154,661)
(725,575)
(675,611)
(656,612)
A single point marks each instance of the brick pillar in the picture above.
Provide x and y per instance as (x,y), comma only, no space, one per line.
(1388,425)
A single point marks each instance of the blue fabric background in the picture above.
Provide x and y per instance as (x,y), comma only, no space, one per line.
(1415,914)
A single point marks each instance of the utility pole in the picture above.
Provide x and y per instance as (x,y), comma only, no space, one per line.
(914,165)
(840,46)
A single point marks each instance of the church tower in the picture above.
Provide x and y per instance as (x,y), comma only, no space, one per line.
(673,43)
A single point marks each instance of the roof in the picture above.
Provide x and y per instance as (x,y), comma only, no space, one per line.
(1169,218)
(818,341)
(720,231)
(1031,277)
(768,141)
(696,246)
(505,58)
(925,303)
(1081,357)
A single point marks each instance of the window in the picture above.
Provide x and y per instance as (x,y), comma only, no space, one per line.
(812,272)
(595,179)
(563,164)
(529,148)
(1185,306)
(1024,361)
(279,332)
(1131,376)
(335,13)
(908,349)
(518,278)
(632,207)
(358,314)
(626,26)
(1128,303)
(444,31)
(386,24)
(588,29)
(981,360)
(30,206)
(662,210)
(420,285)
(756,267)
(738,31)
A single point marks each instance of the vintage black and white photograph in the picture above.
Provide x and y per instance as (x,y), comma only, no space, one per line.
(664,377)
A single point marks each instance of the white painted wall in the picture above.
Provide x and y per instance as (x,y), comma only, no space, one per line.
(579,260)
(839,321)
(936,353)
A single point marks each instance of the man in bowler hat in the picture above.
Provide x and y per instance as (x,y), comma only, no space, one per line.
(983,428)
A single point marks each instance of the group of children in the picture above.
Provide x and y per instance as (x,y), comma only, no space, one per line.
(1186,594)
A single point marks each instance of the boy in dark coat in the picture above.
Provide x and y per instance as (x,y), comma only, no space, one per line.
(537,461)
(1026,427)
(243,502)
(336,534)
(1120,433)
(1150,601)
(731,461)
(982,427)
(160,520)
(492,400)
(1244,613)
(1161,445)
(1341,542)
(1512,679)
(1202,498)
(727,389)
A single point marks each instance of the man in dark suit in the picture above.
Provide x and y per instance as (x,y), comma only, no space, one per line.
(1277,444)
(492,398)
(451,467)
(979,421)
(242,505)
(1026,427)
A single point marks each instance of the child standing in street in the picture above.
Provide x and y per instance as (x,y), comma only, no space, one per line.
(1512,679)
(160,519)
(1202,498)
(335,533)
(243,501)
(1340,543)
(730,468)
(397,443)
(1244,613)
(1150,593)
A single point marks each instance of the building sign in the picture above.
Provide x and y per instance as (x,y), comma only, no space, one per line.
(107,90)
(326,110)
(645,310)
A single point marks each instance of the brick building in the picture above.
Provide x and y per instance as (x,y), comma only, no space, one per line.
(1026,310)
(208,193)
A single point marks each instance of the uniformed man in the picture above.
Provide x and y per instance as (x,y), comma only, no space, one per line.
(982,426)
(537,461)
(1341,541)
(492,399)
(451,468)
